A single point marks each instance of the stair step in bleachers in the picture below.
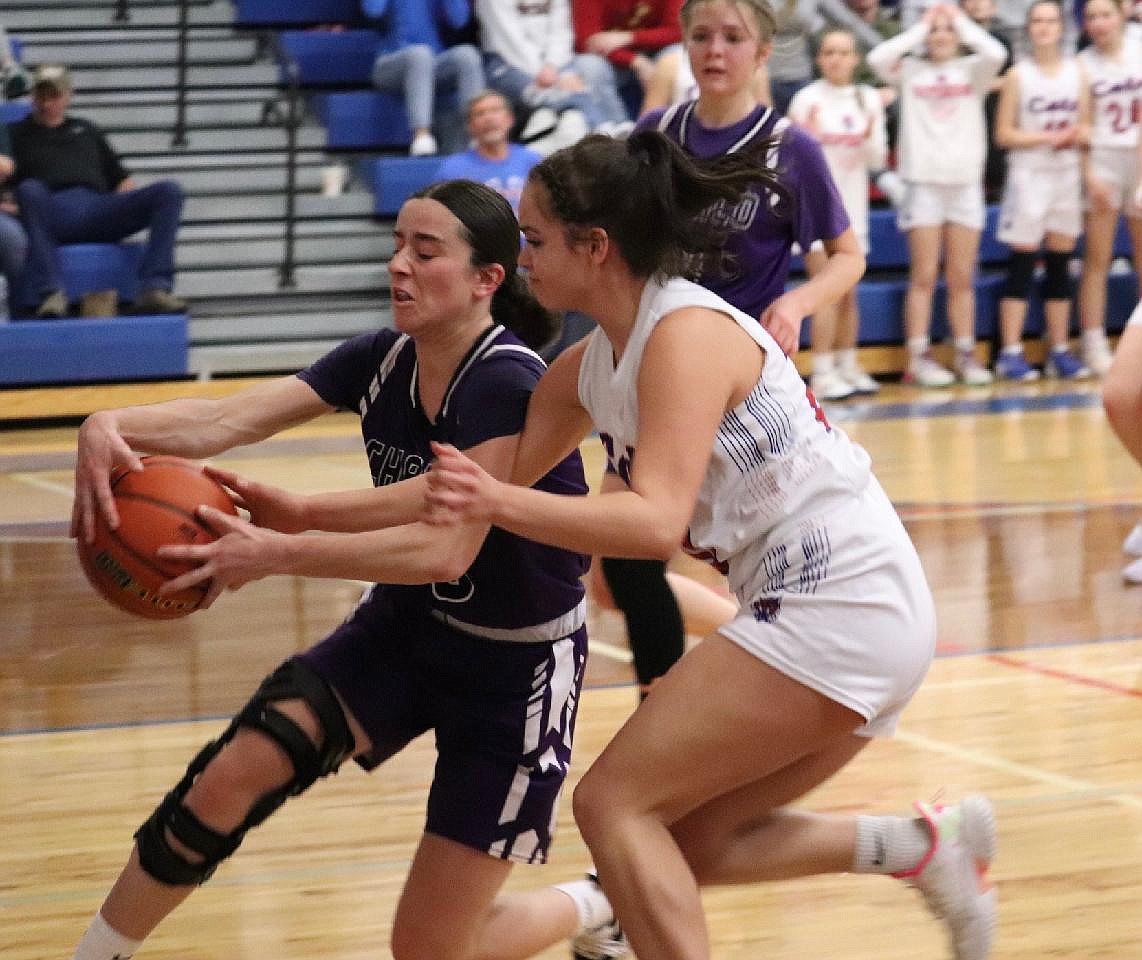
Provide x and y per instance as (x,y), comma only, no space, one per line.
(309,278)
(22,16)
(78,351)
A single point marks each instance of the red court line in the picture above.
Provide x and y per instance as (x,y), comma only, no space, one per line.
(1065,675)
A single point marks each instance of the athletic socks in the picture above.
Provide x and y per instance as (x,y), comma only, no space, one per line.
(101,942)
(591,903)
(890,844)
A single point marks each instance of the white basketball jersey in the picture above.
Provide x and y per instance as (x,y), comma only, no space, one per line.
(1116,95)
(777,468)
(1047,103)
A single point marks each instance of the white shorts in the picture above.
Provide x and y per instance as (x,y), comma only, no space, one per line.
(934,204)
(1117,167)
(863,632)
(1038,202)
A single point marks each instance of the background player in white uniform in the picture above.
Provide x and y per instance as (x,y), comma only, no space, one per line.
(942,147)
(848,120)
(722,448)
(1122,399)
(1041,121)
(1113,65)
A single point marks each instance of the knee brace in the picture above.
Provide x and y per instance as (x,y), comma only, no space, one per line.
(654,622)
(1020,272)
(1057,283)
(292,680)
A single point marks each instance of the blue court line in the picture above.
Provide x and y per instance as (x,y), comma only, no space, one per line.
(940,655)
(956,407)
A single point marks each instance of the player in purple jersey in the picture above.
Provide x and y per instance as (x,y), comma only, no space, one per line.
(720,447)
(474,633)
(726,41)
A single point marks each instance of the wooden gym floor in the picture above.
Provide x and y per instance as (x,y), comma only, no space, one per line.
(1018,499)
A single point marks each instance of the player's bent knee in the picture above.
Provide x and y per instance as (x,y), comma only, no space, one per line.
(178,848)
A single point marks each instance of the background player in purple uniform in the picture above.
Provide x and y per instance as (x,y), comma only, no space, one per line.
(475,634)
(727,41)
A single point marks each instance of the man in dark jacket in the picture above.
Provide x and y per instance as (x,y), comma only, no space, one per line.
(72,188)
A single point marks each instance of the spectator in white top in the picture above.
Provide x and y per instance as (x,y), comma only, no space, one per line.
(529,56)
(942,145)
(1113,65)
(1041,121)
(848,121)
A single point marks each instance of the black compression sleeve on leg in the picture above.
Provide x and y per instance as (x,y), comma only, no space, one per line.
(654,622)
(1057,283)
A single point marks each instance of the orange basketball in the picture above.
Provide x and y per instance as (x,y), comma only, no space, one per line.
(156,507)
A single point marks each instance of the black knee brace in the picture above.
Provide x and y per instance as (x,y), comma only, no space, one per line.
(1057,283)
(654,622)
(292,680)
(1020,273)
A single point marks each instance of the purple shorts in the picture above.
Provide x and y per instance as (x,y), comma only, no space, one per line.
(503,714)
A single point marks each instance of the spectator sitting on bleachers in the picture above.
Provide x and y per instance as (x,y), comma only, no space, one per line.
(71,187)
(414,59)
(631,34)
(529,56)
(13,242)
(493,160)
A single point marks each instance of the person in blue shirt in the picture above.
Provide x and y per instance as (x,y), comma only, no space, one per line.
(493,159)
(415,60)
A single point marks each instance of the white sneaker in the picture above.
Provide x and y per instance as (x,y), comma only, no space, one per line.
(542,121)
(1132,572)
(423,145)
(1098,356)
(571,127)
(970,371)
(860,381)
(1133,542)
(830,386)
(924,371)
(604,942)
(953,875)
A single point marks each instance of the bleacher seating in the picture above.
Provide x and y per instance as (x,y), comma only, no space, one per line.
(77,351)
(89,267)
(331,59)
(260,13)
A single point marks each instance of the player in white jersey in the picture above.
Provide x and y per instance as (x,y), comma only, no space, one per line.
(942,147)
(1113,64)
(848,120)
(1042,123)
(720,446)
(1122,399)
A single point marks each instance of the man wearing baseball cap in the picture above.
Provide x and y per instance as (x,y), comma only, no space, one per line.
(72,188)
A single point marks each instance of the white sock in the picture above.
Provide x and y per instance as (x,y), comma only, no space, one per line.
(591,903)
(965,344)
(102,942)
(848,360)
(918,346)
(823,362)
(1094,337)
(890,844)
(1016,350)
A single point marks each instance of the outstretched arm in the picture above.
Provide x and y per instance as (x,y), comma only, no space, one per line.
(683,395)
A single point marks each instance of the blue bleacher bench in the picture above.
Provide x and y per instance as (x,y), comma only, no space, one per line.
(362,120)
(276,12)
(328,59)
(395,179)
(75,351)
(89,267)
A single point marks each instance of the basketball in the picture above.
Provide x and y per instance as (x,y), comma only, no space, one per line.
(156,507)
